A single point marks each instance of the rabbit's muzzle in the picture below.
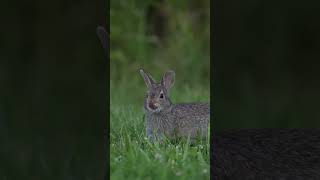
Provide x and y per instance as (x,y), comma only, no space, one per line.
(154,105)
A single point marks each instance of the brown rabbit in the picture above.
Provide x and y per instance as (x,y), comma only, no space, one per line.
(163,118)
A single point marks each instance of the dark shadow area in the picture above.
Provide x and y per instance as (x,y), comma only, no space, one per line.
(266,64)
(265,90)
(53,90)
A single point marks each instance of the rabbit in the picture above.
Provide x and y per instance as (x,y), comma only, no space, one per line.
(165,119)
(263,154)
(103,36)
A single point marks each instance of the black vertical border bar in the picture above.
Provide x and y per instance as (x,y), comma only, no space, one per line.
(108,96)
(107,99)
(211,88)
(212,81)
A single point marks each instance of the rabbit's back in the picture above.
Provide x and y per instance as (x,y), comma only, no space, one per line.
(191,119)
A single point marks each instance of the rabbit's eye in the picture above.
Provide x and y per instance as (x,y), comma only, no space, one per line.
(161,96)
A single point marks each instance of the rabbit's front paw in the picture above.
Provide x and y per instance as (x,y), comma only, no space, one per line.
(155,137)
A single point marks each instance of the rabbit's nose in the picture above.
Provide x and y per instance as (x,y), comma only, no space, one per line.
(153,105)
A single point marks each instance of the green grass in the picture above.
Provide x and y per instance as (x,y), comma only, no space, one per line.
(134,157)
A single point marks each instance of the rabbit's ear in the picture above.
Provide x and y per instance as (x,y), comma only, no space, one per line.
(103,36)
(147,78)
(168,79)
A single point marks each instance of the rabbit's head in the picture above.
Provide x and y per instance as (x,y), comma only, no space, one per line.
(157,98)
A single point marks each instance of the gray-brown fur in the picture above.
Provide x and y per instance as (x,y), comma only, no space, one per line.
(163,118)
(275,154)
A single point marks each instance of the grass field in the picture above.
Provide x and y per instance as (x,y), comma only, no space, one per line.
(134,157)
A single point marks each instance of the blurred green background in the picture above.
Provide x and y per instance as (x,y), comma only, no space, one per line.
(53,95)
(266,64)
(159,35)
